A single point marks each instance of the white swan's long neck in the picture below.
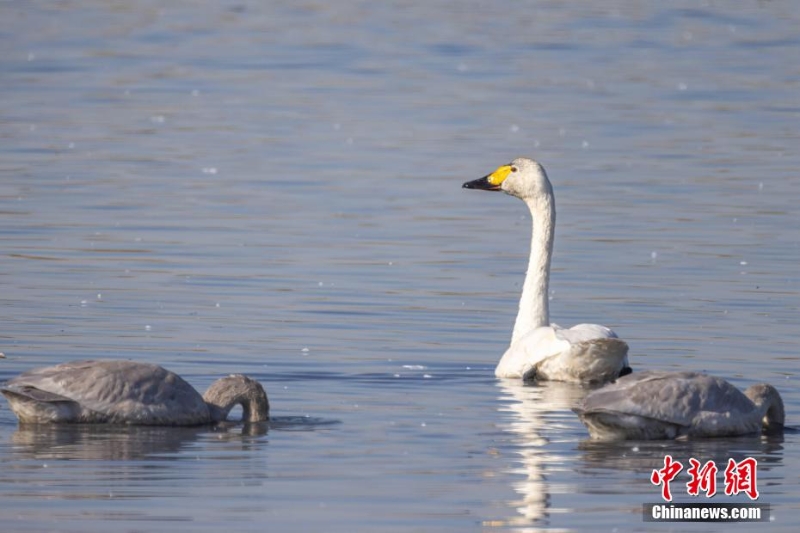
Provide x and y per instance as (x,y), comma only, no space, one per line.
(534,310)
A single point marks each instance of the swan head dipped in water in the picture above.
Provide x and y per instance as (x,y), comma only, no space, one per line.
(767,398)
(127,392)
(540,350)
(679,405)
(237,389)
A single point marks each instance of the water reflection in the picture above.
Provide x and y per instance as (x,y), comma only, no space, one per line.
(110,443)
(644,456)
(528,410)
(102,442)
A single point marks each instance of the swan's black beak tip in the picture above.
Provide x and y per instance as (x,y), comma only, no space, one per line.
(481,184)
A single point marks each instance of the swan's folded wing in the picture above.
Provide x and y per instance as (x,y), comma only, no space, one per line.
(584,353)
(118,389)
(597,360)
(95,384)
(54,383)
(584,333)
(675,397)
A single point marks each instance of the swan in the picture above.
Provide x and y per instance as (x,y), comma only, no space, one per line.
(677,405)
(586,353)
(127,392)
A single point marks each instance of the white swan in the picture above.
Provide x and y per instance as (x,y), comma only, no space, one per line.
(125,392)
(583,353)
(671,405)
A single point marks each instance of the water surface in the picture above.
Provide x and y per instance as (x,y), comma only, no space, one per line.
(275,190)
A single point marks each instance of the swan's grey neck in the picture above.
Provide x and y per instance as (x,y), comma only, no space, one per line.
(237,389)
(534,309)
(770,404)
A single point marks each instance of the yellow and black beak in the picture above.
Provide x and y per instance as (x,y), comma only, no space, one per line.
(490,182)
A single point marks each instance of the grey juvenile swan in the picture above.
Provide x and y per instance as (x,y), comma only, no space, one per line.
(126,392)
(672,405)
(539,349)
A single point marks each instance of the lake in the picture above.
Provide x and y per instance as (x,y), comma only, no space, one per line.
(275,189)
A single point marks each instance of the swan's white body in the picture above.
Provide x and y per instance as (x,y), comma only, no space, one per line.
(671,405)
(585,353)
(127,392)
(539,349)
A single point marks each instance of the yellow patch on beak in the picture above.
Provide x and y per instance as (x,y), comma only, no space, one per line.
(498,176)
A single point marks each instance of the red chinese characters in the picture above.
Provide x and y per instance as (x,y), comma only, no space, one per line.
(704,478)
(665,475)
(741,477)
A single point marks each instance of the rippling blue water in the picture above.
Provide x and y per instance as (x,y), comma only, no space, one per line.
(275,189)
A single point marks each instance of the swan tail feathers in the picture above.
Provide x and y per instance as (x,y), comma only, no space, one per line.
(32,393)
(32,405)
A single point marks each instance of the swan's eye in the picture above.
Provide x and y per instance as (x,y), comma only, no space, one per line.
(513,169)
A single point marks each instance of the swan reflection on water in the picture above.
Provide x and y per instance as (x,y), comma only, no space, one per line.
(643,456)
(639,459)
(530,413)
(100,442)
(122,442)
